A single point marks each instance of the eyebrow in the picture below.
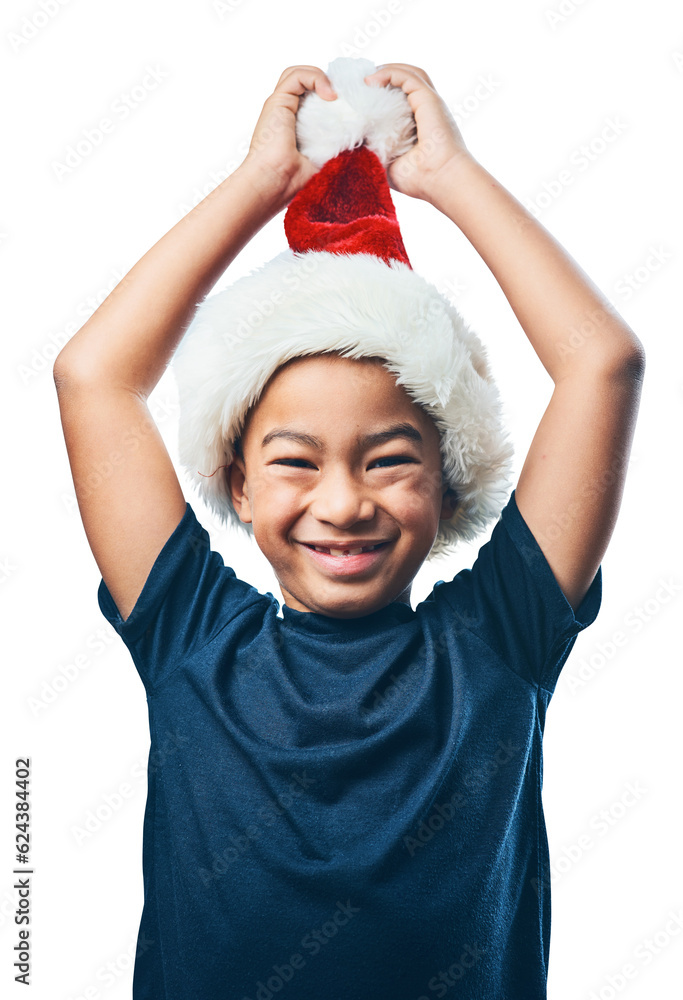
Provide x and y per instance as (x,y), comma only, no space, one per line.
(368,440)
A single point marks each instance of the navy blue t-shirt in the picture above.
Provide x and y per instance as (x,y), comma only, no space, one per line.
(347,809)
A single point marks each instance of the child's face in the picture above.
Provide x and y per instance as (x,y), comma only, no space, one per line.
(310,477)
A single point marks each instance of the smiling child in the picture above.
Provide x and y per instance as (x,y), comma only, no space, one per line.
(352,807)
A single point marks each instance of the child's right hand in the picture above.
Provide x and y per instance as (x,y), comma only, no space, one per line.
(275,163)
(440,144)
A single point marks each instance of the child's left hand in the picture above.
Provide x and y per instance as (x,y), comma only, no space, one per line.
(440,142)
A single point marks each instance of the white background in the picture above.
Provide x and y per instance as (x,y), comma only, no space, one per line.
(557,73)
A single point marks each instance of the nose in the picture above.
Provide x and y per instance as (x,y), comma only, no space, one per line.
(342,500)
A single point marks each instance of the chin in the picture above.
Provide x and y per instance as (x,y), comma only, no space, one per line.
(358,611)
(349,612)
(344,605)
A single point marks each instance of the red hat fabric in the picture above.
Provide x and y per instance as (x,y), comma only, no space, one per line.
(347,208)
(344,285)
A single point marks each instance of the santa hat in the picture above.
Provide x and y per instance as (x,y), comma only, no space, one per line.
(344,286)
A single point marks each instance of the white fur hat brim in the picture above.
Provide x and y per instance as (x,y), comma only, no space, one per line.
(359,306)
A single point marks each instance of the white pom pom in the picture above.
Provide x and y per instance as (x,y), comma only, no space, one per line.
(380,117)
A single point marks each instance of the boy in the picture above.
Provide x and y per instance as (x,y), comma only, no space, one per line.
(351,807)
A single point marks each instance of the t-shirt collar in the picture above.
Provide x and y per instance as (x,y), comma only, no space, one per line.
(394,613)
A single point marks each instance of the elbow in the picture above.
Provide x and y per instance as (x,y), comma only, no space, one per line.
(626,362)
(63,374)
(60,374)
(63,363)
(71,367)
(631,365)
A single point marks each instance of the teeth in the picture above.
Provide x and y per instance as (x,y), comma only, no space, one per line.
(345,552)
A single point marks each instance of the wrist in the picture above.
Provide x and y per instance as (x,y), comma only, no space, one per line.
(451,182)
(271,190)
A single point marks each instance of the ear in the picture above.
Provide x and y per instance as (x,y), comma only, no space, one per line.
(449,503)
(236,478)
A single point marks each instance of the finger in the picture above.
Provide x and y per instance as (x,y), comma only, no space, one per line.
(391,73)
(296,80)
(420,92)
(291,69)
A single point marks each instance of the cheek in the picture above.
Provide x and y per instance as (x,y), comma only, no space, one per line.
(275,501)
(417,501)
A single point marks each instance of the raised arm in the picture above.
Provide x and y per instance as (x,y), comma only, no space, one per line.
(128,493)
(570,487)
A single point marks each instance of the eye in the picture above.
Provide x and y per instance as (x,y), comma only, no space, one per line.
(295,463)
(393,459)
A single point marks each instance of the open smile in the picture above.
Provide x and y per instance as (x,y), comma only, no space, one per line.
(346,562)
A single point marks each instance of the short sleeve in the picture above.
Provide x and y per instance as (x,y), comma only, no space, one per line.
(511,599)
(188,597)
